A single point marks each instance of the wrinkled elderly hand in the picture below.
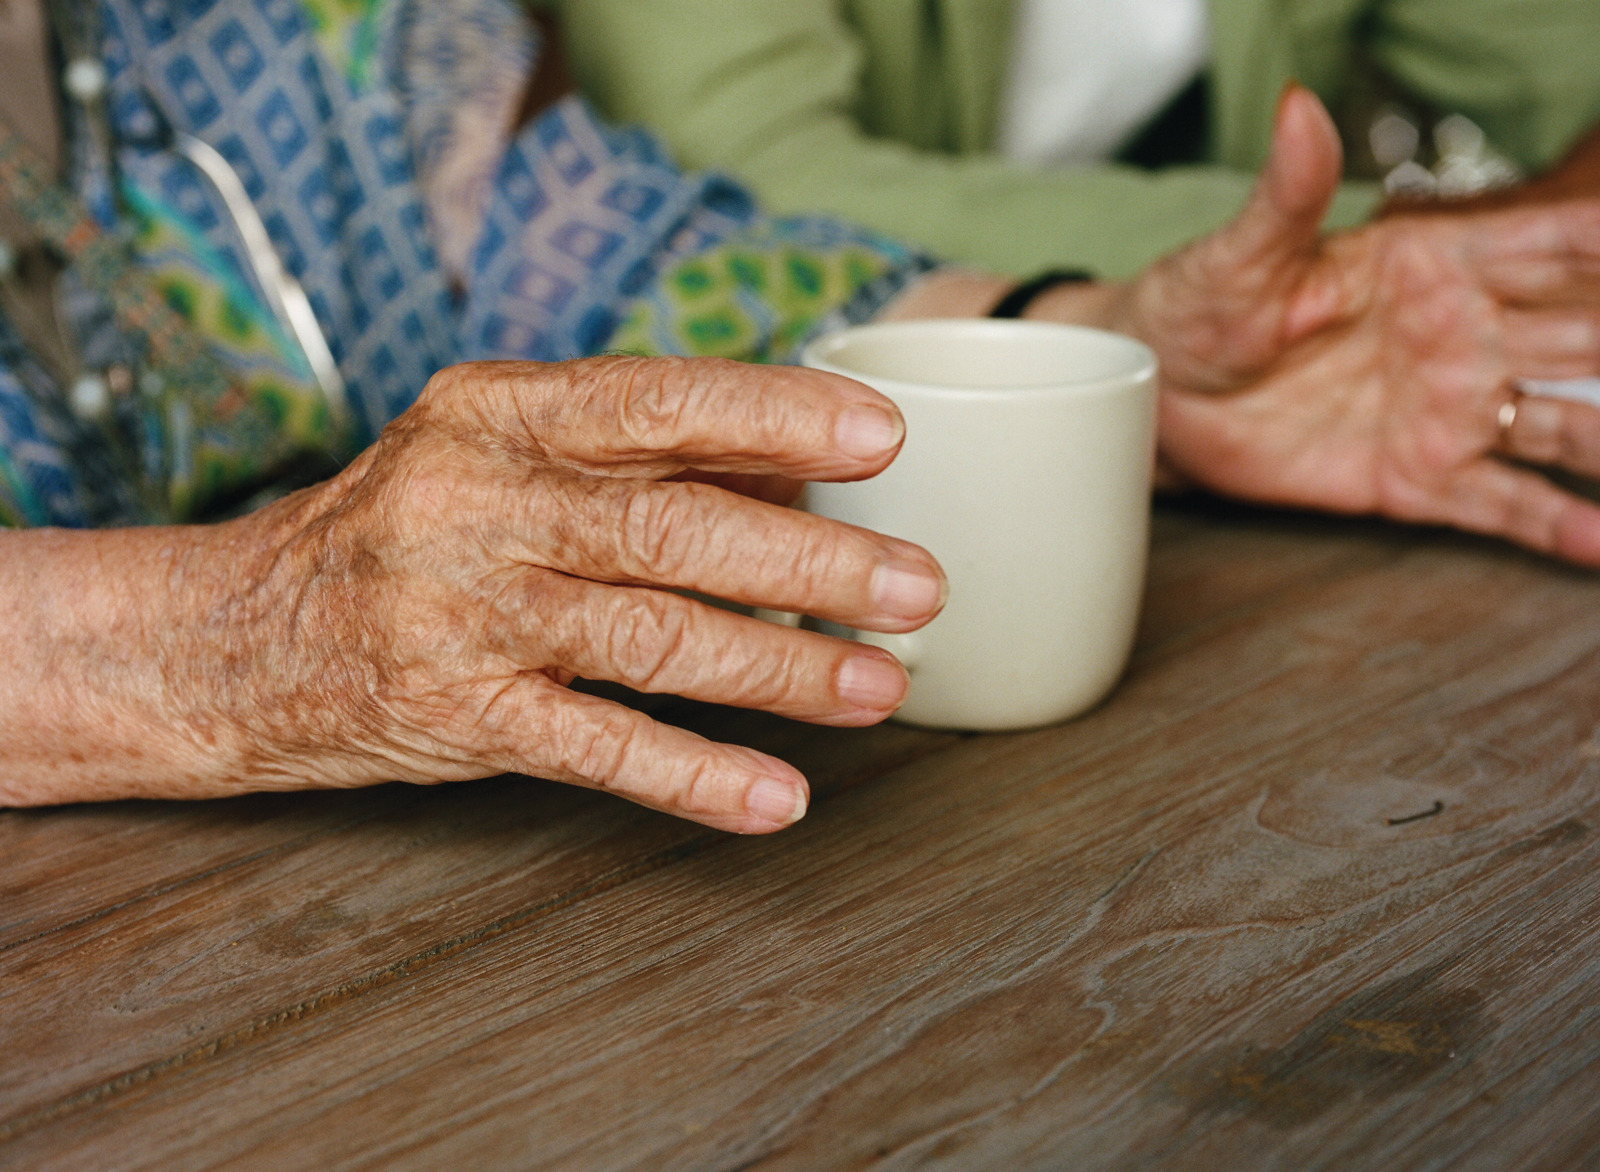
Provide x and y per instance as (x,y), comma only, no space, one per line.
(1370,371)
(420,616)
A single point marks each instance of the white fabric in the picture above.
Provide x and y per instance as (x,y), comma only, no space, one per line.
(1086,74)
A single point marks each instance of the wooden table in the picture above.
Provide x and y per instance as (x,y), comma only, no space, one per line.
(1317,888)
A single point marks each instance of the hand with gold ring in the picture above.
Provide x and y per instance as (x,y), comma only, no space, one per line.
(1506,418)
(1367,371)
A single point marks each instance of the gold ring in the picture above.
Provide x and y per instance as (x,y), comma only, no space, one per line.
(1508,416)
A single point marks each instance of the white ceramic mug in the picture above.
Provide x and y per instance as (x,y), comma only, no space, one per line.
(1026,472)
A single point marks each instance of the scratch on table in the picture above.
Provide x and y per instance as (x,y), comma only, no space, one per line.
(1438,808)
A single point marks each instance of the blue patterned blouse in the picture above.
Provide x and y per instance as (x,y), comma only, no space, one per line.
(376,140)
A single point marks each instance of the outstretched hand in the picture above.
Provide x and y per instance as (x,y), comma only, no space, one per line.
(1371,371)
(420,616)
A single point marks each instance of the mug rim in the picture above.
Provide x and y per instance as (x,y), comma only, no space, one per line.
(1142,360)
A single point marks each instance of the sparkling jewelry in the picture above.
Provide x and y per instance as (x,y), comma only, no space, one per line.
(1508,416)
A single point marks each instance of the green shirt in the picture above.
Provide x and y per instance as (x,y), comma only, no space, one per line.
(884,111)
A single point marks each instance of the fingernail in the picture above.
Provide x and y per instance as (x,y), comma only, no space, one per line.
(906,590)
(864,431)
(774,800)
(868,681)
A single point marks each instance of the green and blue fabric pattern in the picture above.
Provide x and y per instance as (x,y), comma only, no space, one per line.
(365,134)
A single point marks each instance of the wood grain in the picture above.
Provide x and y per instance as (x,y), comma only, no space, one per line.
(1201,927)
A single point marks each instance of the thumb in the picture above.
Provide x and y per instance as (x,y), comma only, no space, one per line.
(1226,307)
(1284,215)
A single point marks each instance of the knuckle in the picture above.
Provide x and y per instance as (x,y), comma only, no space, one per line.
(817,559)
(451,385)
(782,675)
(659,536)
(597,749)
(821,563)
(520,613)
(657,395)
(646,638)
(698,790)
(509,404)
(442,385)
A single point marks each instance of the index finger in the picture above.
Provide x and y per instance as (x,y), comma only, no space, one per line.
(1567,229)
(661,416)
(1540,254)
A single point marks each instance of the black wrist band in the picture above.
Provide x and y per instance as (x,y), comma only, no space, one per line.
(1016,302)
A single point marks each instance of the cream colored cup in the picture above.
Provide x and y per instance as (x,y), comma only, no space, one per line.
(1026,472)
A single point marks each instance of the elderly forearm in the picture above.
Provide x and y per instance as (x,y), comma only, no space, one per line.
(119,644)
(419,616)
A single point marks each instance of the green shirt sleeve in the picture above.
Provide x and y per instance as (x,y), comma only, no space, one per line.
(1526,71)
(771,90)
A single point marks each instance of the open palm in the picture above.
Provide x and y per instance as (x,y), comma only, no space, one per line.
(1370,371)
